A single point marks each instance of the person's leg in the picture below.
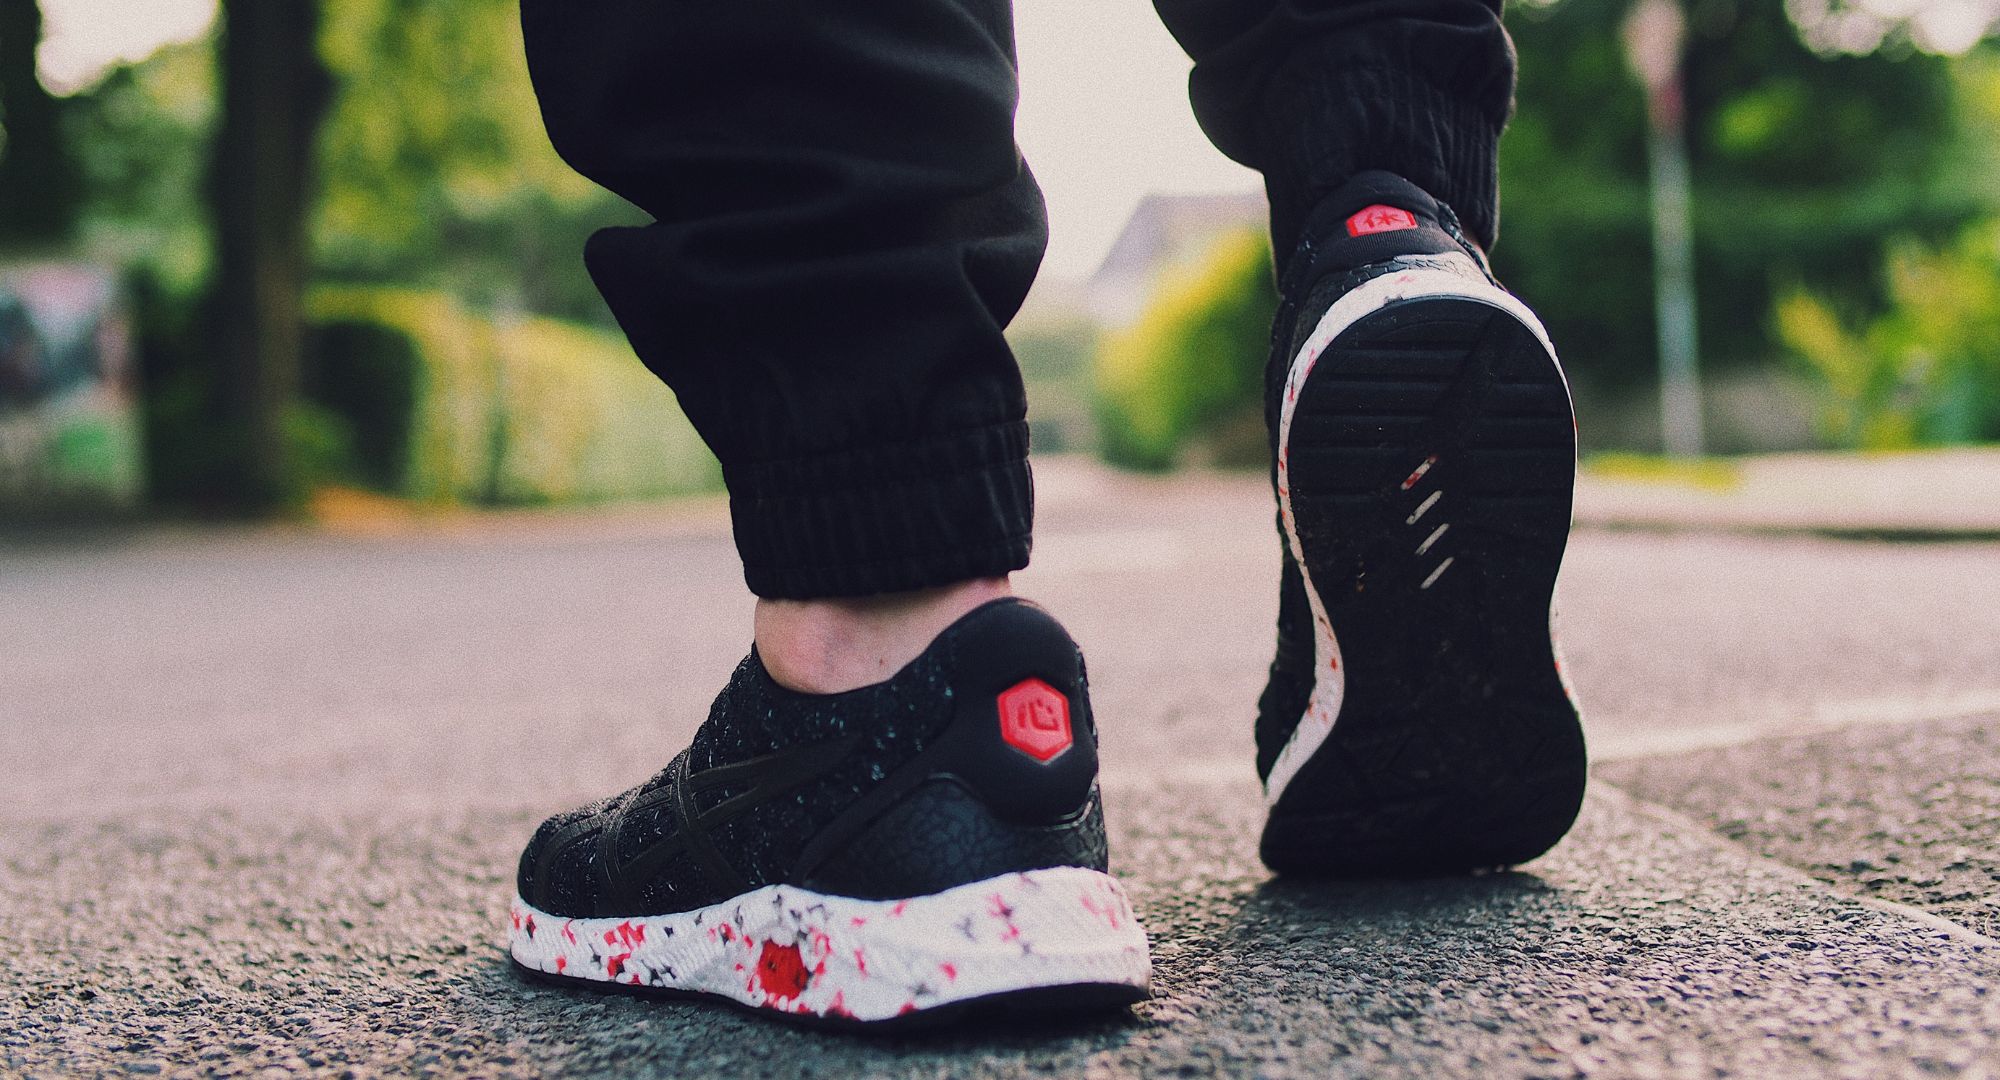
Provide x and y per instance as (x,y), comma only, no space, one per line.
(892,806)
(1313,92)
(1422,441)
(842,228)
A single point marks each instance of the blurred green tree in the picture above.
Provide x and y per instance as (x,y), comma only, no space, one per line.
(274,92)
(141,136)
(1808,169)
(431,169)
(39,190)
(438,172)
(1806,166)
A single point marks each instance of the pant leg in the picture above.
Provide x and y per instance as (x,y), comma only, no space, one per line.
(1310,92)
(843,226)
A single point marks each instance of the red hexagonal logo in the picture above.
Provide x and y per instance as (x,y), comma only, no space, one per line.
(1034,719)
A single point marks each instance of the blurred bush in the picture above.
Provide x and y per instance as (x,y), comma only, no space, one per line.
(1055,356)
(1925,372)
(1187,379)
(438,403)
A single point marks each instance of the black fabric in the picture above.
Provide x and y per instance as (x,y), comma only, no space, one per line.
(841,792)
(1312,92)
(941,835)
(843,227)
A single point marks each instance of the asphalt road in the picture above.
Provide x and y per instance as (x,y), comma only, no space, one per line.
(264,789)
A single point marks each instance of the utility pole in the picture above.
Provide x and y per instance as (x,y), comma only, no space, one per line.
(1655,41)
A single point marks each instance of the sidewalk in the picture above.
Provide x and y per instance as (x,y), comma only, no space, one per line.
(1937,494)
(268,786)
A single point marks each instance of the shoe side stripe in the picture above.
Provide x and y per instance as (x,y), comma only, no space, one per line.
(569,834)
(721,876)
(770,775)
(1445,276)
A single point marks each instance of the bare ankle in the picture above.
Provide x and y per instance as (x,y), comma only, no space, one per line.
(829,646)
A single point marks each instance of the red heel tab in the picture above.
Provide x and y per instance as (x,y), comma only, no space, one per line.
(1034,719)
(1380,218)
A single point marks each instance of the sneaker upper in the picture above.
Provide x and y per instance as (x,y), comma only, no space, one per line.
(978,758)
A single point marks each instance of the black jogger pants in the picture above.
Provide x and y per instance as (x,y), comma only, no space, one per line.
(843,226)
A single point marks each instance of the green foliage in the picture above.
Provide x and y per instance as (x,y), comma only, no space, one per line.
(1802,165)
(434,173)
(1807,169)
(367,375)
(141,136)
(1193,366)
(1924,373)
(530,410)
(436,169)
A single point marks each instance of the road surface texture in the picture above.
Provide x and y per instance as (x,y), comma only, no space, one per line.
(265,788)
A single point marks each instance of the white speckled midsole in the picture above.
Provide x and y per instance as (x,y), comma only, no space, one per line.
(793,950)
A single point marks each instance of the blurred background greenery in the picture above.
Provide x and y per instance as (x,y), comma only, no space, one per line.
(352,259)
(1846,178)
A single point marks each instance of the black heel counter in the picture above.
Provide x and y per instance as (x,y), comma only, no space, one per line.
(1023,738)
(1009,785)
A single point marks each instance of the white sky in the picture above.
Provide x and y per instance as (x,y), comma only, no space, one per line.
(1104,120)
(1104,116)
(83,37)
(1949,27)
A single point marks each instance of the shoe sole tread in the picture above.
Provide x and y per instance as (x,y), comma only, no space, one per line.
(1456,745)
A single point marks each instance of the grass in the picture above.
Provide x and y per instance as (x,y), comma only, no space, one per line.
(1712,474)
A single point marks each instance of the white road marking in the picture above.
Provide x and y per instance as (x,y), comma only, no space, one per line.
(1792,722)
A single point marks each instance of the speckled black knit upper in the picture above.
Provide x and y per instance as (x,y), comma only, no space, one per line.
(846,745)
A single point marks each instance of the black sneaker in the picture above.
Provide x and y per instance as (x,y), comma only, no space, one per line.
(1416,719)
(904,850)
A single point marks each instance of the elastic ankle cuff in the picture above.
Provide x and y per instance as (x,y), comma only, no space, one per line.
(1380,118)
(886,518)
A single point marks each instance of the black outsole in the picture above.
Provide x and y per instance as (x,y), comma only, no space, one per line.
(1457,746)
(1037,1004)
